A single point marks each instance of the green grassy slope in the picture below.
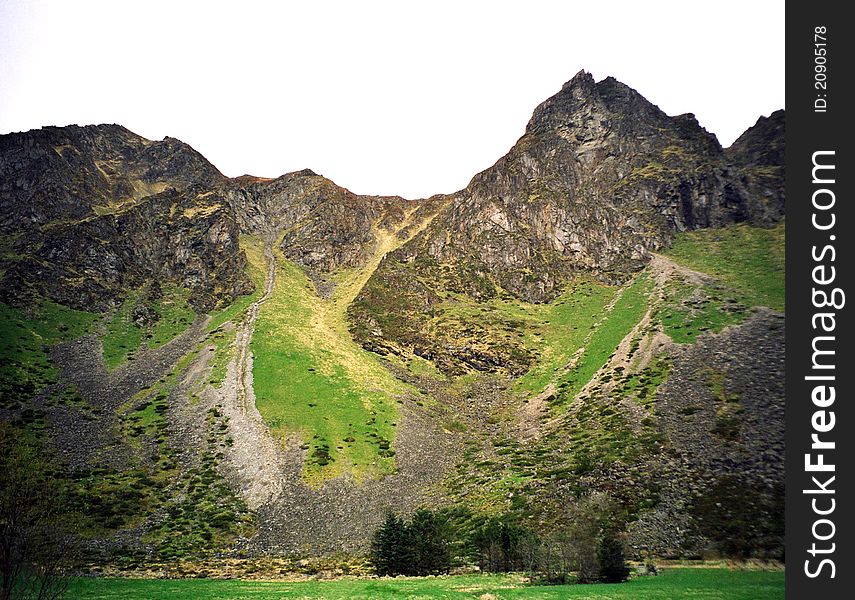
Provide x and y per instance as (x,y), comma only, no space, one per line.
(565,324)
(748,259)
(312,380)
(25,336)
(146,316)
(626,313)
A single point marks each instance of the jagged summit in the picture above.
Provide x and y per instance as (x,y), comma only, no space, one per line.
(600,177)
(763,143)
(581,78)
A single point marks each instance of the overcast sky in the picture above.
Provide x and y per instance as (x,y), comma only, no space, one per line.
(382,97)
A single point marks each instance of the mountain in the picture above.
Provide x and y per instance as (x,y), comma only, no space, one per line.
(89,212)
(599,180)
(265,366)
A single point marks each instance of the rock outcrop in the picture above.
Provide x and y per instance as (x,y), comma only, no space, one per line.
(323,226)
(67,173)
(599,179)
(88,213)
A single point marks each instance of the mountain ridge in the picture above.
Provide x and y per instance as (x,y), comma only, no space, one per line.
(287,347)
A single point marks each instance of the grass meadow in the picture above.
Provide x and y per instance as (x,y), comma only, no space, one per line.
(671,584)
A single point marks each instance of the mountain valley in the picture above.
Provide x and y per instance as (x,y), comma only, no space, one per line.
(245,367)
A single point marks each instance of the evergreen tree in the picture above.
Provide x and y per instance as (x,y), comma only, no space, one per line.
(420,547)
(390,551)
(613,567)
(430,543)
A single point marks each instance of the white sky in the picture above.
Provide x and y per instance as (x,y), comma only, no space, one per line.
(382,97)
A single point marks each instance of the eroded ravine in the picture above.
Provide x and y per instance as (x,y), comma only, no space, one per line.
(339,512)
(267,466)
(328,321)
(256,458)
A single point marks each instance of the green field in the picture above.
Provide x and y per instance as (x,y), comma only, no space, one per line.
(672,584)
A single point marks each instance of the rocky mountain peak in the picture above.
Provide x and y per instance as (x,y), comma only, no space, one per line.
(580,83)
(600,178)
(762,144)
(67,173)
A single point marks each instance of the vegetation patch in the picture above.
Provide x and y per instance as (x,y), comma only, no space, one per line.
(561,330)
(642,386)
(690,310)
(25,337)
(202,513)
(222,342)
(616,325)
(105,501)
(312,380)
(153,314)
(728,407)
(748,259)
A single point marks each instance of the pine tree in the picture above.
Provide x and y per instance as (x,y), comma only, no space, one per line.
(430,543)
(613,567)
(390,552)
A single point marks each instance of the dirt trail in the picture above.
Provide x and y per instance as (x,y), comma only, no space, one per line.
(254,454)
(243,336)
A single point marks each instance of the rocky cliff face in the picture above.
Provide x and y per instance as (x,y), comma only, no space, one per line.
(323,226)
(67,173)
(87,213)
(759,155)
(179,237)
(599,179)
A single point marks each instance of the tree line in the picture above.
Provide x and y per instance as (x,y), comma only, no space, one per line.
(433,542)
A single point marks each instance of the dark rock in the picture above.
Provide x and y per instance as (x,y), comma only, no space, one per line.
(87,213)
